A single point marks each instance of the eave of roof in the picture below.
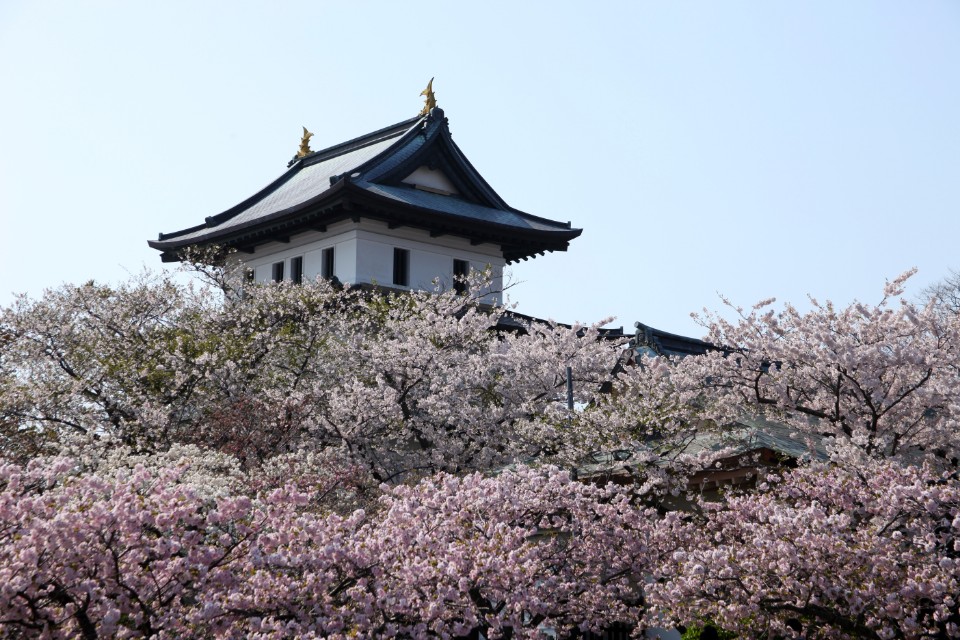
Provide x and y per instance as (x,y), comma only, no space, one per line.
(347,200)
(671,344)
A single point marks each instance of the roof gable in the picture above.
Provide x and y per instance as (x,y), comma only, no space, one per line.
(435,149)
(432,180)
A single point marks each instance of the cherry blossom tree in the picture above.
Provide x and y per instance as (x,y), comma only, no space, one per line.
(865,545)
(945,294)
(865,550)
(393,382)
(883,377)
(215,450)
(277,461)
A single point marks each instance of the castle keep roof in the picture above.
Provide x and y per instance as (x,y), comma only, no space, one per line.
(370,177)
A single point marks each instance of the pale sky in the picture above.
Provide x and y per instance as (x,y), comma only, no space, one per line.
(752,149)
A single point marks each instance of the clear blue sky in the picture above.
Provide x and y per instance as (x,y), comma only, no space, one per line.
(754,149)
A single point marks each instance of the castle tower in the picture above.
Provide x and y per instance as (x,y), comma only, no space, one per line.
(397,207)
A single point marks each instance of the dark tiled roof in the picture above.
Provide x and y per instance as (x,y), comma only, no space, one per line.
(514,321)
(299,186)
(375,164)
(463,208)
(667,344)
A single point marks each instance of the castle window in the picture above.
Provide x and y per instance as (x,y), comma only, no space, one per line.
(278,271)
(326,269)
(401,267)
(296,269)
(460,270)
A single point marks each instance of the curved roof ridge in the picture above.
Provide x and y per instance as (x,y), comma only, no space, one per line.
(375,166)
(359,142)
(411,133)
(468,166)
(568,224)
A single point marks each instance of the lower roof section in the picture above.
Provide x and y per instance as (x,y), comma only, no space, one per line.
(518,235)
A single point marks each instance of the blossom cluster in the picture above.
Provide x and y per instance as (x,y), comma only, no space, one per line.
(524,552)
(828,551)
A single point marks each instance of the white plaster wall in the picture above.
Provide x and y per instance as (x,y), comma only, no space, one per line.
(363,253)
(345,260)
(430,258)
(375,261)
(313,262)
(426,266)
(309,245)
